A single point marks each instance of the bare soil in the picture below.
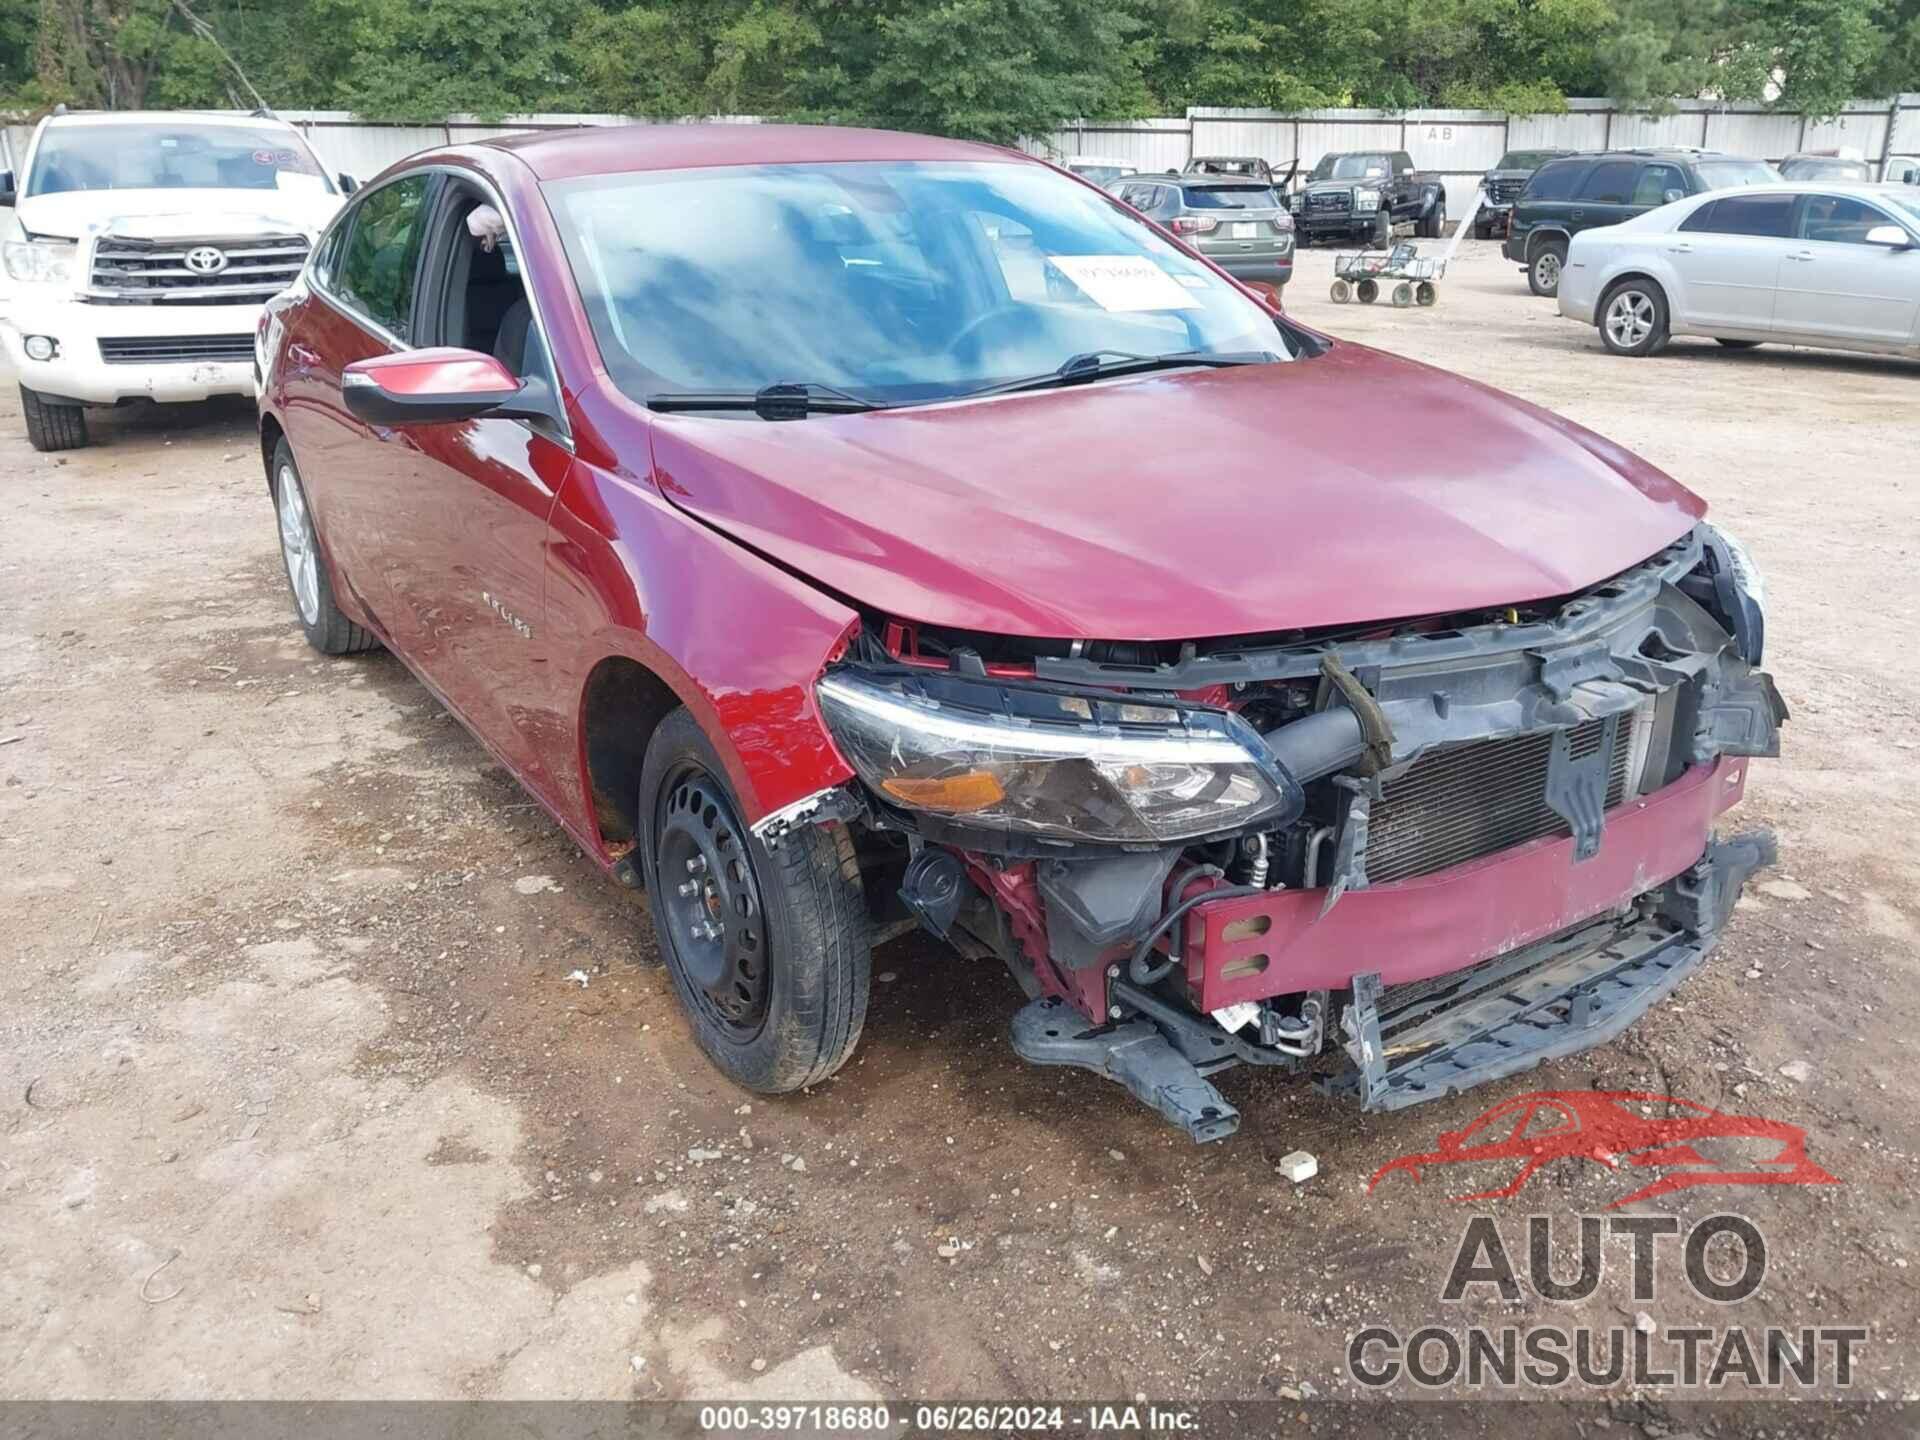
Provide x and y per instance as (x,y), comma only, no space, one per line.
(329,1068)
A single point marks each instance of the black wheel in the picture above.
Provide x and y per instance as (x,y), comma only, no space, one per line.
(327,629)
(52,426)
(1368,291)
(769,950)
(1738,344)
(1633,318)
(1543,271)
(1425,293)
(1431,222)
(1482,232)
(1383,230)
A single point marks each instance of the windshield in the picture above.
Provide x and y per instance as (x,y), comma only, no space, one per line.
(1908,203)
(1351,167)
(171,157)
(1826,170)
(1724,174)
(894,282)
(1525,159)
(1231,197)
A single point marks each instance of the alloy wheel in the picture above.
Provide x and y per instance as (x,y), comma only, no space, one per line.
(1546,269)
(1630,319)
(710,904)
(297,544)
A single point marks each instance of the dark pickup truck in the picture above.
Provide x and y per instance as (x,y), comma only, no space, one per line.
(1364,193)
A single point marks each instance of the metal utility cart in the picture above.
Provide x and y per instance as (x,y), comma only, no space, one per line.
(1414,276)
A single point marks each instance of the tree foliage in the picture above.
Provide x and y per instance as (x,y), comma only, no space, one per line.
(993,69)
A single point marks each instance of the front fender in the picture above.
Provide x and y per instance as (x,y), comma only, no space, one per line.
(738,640)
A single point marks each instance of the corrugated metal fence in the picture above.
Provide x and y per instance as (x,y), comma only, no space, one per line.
(1460,144)
(1463,144)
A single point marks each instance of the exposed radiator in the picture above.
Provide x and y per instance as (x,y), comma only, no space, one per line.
(1461,802)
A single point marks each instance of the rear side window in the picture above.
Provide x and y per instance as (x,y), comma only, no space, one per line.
(1231,197)
(376,274)
(1555,181)
(1769,216)
(1611,182)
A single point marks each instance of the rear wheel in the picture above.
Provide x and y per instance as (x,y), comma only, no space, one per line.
(1402,295)
(328,630)
(1342,292)
(769,949)
(1368,291)
(1633,318)
(1431,222)
(1425,293)
(50,425)
(1543,271)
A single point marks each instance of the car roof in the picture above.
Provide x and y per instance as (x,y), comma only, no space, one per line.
(623,149)
(166,117)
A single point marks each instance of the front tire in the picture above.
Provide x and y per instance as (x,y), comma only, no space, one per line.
(769,949)
(1543,271)
(52,426)
(1633,318)
(327,628)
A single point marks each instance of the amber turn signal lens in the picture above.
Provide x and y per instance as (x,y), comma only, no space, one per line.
(958,794)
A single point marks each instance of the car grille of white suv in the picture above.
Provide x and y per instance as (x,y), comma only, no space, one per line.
(233,271)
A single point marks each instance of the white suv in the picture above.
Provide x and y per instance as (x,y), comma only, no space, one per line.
(140,250)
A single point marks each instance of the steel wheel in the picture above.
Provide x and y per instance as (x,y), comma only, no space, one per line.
(1402,295)
(298,545)
(710,904)
(1546,271)
(1630,319)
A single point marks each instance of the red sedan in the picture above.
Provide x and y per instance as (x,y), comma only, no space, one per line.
(839,531)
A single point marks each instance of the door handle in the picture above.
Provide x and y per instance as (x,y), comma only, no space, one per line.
(1680,249)
(1579,215)
(1801,255)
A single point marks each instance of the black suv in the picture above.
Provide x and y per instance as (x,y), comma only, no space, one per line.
(1583,192)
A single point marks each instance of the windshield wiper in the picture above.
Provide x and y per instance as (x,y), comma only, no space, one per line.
(1099,364)
(771,402)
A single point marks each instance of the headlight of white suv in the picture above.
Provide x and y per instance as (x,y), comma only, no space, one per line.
(39,262)
(1366,199)
(1042,763)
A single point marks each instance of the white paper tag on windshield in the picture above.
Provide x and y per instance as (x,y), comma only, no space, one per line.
(1124,282)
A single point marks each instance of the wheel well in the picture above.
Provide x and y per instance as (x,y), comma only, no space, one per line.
(270,437)
(1617,281)
(1542,237)
(623,705)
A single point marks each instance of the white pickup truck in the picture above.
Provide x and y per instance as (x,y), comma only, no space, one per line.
(139,252)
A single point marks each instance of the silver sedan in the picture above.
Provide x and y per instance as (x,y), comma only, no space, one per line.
(1798,264)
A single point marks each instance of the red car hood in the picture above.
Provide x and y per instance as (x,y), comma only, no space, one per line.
(1351,487)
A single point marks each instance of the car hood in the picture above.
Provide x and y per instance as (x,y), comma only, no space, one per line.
(176,214)
(1350,487)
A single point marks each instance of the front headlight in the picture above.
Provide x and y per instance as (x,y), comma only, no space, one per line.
(39,262)
(1740,584)
(1041,763)
(1366,199)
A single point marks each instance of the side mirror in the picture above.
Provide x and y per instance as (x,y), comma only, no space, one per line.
(1891,236)
(7,196)
(437,387)
(346,183)
(1268,294)
(1672,195)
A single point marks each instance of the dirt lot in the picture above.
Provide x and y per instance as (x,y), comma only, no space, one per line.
(326,1068)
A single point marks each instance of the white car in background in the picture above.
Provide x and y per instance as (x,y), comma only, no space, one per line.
(139,252)
(1101,170)
(1828,265)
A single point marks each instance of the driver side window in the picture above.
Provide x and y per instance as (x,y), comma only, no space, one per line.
(475,294)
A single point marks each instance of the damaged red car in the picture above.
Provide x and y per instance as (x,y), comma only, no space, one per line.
(842,531)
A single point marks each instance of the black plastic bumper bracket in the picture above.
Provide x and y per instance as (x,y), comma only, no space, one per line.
(1134,1053)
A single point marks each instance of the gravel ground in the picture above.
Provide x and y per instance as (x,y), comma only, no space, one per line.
(327,1068)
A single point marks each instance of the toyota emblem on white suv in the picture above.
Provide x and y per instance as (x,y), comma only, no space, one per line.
(206,260)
